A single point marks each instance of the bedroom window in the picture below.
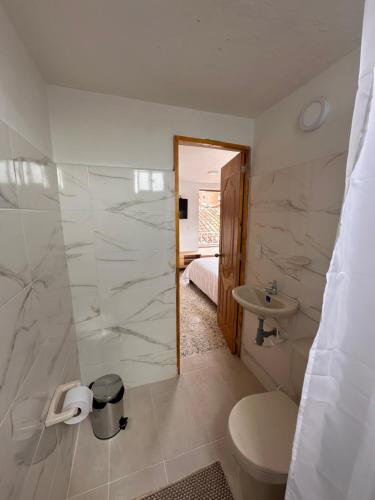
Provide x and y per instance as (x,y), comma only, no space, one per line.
(209,218)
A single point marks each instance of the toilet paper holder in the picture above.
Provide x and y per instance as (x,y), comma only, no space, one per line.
(53,417)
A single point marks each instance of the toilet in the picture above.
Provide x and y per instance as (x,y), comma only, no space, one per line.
(261,432)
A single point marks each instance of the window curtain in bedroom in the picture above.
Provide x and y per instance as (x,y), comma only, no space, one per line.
(334,446)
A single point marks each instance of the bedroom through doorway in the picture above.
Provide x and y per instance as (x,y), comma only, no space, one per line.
(199,222)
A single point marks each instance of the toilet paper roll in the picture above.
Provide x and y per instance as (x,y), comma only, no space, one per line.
(78,397)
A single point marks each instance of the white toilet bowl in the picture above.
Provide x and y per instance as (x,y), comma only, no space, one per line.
(261,430)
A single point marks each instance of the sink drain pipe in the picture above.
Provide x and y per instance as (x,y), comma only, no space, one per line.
(262,334)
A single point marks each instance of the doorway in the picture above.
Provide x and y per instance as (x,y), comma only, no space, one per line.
(211,226)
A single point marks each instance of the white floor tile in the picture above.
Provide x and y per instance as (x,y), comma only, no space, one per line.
(138,446)
(90,466)
(140,483)
(100,493)
(177,418)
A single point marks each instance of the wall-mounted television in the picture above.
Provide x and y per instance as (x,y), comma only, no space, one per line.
(183,206)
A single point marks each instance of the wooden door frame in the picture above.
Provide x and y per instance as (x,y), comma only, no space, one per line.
(245,151)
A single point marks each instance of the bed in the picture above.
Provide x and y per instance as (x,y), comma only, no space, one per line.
(204,274)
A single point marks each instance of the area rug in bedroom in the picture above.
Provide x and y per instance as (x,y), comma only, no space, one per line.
(199,331)
(206,484)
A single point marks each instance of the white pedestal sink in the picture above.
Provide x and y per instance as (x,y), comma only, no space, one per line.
(263,304)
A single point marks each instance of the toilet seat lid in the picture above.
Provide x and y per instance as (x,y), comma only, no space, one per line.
(262,428)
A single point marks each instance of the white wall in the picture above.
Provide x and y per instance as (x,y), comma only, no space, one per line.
(280,143)
(119,241)
(95,129)
(23,94)
(189,228)
(38,342)
(296,190)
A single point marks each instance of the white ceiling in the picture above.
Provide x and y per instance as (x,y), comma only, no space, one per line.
(230,56)
(195,162)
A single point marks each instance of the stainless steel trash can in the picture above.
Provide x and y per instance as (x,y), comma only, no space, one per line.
(108,406)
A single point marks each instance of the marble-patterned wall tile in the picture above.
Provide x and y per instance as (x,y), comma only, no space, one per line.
(86,308)
(136,372)
(320,240)
(57,350)
(82,269)
(303,326)
(116,232)
(55,305)
(36,184)
(78,232)
(281,227)
(327,190)
(294,214)
(45,245)
(282,236)
(5,145)
(140,352)
(94,347)
(23,427)
(142,339)
(284,190)
(80,249)
(328,184)
(146,369)
(28,412)
(121,260)
(144,302)
(131,190)
(20,342)
(8,185)
(37,336)
(278,215)
(126,269)
(14,268)
(135,285)
(145,338)
(74,187)
(36,176)
(311,294)
(13,469)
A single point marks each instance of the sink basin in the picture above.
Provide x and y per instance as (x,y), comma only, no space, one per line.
(263,304)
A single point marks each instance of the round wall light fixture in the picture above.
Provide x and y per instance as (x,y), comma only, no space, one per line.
(314,114)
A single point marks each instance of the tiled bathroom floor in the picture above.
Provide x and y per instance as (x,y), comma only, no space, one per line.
(175,427)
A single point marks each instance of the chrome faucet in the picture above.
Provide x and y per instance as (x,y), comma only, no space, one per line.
(272,290)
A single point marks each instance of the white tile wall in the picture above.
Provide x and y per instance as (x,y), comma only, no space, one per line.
(120,240)
(294,213)
(38,349)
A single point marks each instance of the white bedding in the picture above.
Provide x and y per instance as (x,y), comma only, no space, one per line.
(204,273)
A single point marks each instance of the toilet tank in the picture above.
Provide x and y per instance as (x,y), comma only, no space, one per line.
(300,356)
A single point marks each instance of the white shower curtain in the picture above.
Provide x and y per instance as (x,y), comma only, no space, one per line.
(334,446)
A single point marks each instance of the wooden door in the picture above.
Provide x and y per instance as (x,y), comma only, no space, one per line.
(233,200)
